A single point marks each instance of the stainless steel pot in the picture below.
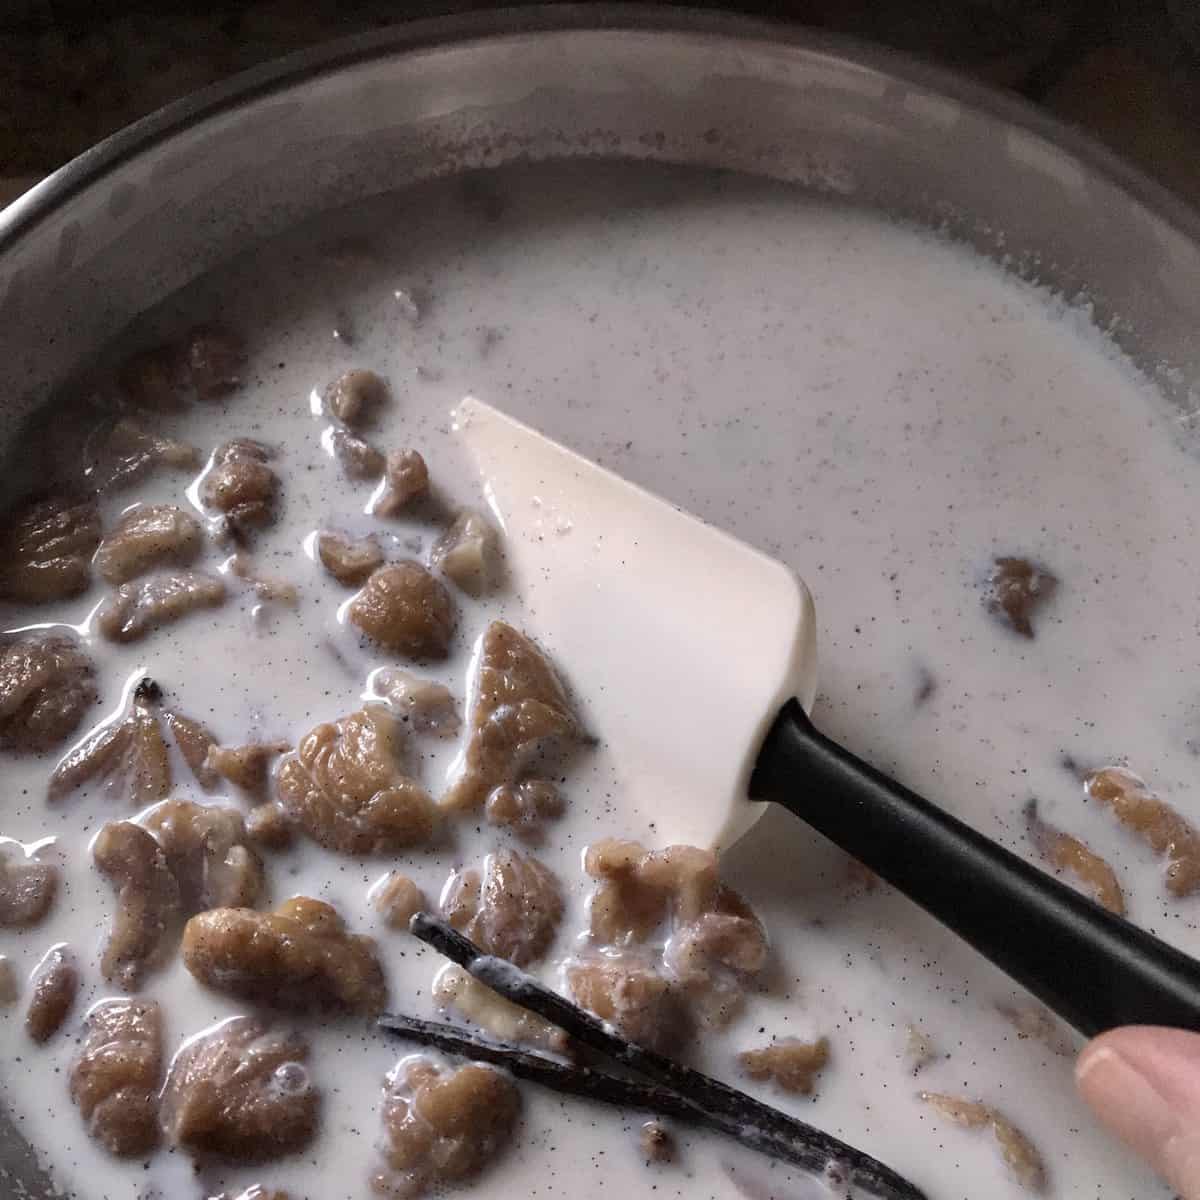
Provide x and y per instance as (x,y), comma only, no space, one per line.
(141,214)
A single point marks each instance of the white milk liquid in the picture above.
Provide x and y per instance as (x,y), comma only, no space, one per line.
(882,411)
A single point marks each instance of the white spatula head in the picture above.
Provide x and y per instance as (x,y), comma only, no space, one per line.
(693,639)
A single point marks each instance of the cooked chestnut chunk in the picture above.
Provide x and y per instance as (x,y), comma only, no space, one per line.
(1016,590)
(639,889)
(714,944)
(397,899)
(442,1125)
(627,906)
(123,454)
(268,827)
(241,485)
(241,1093)
(46,549)
(355,397)
(468,552)
(359,460)
(633,997)
(27,887)
(298,957)
(656,1143)
(345,788)
(1067,853)
(247,767)
(790,1063)
(1031,1020)
(425,705)
(194,742)
(206,850)
(1165,830)
(524,807)
(141,606)
(348,560)
(712,959)
(130,757)
(518,705)
(1020,1154)
(115,1078)
(55,986)
(405,480)
(454,990)
(405,610)
(215,361)
(151,535)
(510,908)
(266,587)
(47,683)
(148,902)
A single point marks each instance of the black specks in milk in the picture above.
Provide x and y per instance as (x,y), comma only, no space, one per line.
(798,376)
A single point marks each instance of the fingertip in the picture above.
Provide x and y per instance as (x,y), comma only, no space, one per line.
(1143,1084)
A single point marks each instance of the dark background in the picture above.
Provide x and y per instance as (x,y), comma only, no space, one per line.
(72,71)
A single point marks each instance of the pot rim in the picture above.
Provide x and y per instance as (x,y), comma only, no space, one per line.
(42,201)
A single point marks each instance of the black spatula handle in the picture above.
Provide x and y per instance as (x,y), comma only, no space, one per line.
(1094,969)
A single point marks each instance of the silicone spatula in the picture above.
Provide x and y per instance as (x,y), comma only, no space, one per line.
(702,669)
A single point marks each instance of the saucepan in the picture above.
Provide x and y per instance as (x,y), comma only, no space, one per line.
(144,212)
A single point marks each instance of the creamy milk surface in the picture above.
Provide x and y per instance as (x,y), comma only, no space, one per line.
(882,411)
